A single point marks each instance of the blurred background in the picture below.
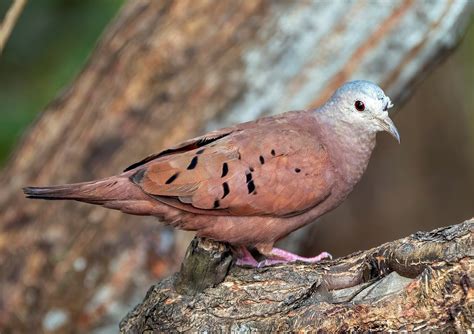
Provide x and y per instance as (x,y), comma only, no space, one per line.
(425,182)
(62,34)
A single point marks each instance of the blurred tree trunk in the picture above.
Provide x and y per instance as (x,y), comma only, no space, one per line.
(162,72)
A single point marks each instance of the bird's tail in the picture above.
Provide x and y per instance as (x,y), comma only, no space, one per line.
(116,192)
(94,192)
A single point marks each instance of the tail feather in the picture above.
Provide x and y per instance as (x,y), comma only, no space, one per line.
(54,192)
(116,192)
(95,192)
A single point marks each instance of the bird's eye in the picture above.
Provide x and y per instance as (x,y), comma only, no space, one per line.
(359,105)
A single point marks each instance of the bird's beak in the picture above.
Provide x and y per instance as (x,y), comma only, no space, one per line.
(387,124)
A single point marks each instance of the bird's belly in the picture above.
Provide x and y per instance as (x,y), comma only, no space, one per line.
(254,230)
(239,231)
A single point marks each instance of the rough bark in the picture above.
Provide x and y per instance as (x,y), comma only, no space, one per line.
(162,72)
(205,265)
(422,282)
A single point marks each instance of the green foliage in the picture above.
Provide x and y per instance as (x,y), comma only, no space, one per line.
(48,47)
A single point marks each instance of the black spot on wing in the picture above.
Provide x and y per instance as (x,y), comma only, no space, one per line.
(225,185)
(250,186)
(248,177)
(249,181)
(262,160)
(225,169)
(297,170)
(172,178)
(273,152)
(216,204)
(201,151)
(193,163)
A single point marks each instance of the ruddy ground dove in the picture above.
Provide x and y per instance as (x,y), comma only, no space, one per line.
(254,183)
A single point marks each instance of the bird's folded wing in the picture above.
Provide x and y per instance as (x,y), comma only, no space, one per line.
(185,146)
(278,170)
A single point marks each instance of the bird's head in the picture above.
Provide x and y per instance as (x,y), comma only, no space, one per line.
(364,103)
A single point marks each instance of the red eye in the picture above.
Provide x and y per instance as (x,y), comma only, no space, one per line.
(359,105)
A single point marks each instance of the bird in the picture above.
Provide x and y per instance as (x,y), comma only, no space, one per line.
(253,183)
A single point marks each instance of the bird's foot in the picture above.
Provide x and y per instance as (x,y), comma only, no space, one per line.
(279,256)
(246,259)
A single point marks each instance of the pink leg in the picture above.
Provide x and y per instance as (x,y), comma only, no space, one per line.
(277,256)
(246,259)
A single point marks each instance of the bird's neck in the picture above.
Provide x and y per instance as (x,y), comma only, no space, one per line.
(349,145)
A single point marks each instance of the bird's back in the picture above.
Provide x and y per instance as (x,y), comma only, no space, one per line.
(275,166)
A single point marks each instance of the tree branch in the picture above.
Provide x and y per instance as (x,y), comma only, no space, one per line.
(423,281)
(9,22)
